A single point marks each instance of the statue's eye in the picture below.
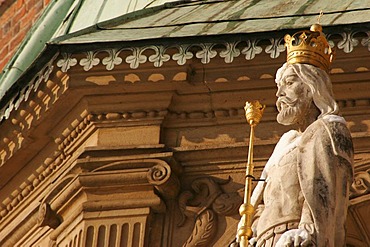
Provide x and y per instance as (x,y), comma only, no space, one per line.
(289,83)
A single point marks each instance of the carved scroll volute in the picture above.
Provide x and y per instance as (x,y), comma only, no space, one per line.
(361,184)
(163,179)
(47,217)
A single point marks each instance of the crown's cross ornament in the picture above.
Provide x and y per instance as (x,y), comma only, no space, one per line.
(319,17)
(309,47)
(253,113)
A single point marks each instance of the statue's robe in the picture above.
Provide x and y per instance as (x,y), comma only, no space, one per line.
(325,173)
(308,179)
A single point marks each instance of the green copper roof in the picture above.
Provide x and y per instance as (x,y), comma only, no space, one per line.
(88,13)
(214,17)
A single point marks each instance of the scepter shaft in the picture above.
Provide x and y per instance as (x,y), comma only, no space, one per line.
(253,113)
(250,167)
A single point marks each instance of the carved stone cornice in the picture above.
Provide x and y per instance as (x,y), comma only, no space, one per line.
(49,167)
(30,114)
(65,141)
(160,175)
(232,114)
(32,88)
(28,109)
(30,184)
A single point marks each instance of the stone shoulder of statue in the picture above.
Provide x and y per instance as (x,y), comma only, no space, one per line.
(332,131)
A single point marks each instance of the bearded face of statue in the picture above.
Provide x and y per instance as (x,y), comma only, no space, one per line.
(294,98)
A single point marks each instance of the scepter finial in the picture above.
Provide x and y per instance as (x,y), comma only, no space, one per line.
(253,112)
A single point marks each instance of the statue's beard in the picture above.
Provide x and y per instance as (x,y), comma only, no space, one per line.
(291,111)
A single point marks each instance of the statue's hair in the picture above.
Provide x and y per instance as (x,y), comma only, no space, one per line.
(319,83)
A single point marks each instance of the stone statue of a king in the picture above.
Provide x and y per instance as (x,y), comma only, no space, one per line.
(303,199)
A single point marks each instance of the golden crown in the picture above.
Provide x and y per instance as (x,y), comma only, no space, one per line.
(309,47)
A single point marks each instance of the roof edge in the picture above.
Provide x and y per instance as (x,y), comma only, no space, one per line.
(34,43)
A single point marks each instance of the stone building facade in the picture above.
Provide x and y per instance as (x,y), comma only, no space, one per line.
(131,131)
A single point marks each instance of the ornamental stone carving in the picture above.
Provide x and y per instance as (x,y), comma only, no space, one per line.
(204,204)
(163,179)
(361,184)
(203,51)
(47,216)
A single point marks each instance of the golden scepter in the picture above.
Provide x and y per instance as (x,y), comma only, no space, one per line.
(253,113)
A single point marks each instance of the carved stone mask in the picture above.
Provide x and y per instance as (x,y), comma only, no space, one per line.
(294,98)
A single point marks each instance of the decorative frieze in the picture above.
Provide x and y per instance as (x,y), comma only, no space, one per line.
(203,51)
(134,57)
(128,115)
(276,47)
(231,52)
(251,49)
(366,41)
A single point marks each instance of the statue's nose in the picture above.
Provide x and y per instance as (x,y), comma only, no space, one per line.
(280,92)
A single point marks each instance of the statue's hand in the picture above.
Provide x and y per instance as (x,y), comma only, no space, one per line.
(252,242)
(294,237)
